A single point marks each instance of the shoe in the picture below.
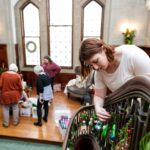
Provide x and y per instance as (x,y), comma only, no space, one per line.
(45,120)
(38,124)
(15,124)
(5,126)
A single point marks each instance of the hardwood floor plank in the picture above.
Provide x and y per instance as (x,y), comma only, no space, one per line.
(49,132)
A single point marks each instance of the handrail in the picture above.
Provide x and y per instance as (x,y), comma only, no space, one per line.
(130,109)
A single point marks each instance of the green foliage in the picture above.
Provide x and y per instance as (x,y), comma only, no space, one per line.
(145,142)
(129,36)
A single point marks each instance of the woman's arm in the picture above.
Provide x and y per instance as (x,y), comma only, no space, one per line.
(39,85)
(99,95)
(57,68)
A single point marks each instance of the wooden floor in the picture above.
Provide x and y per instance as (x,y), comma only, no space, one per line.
(49,131)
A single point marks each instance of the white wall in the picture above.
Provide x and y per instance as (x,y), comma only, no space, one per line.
(6,29)
(131,11)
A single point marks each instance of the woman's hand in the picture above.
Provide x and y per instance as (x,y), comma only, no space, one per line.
(40,98)
(102,114)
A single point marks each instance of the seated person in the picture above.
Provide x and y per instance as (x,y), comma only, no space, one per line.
(77,81)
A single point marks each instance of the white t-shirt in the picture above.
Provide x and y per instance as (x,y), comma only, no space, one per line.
(134,61)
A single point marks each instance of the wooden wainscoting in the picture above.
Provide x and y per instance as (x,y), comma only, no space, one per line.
(29,77)
(3,56)
(62,78)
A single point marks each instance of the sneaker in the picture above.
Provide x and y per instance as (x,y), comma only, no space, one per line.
(38,124)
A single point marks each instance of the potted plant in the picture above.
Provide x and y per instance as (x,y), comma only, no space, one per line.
(129,36)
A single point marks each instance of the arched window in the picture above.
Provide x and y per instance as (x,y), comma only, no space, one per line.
(60,30)
(92,20)
(31,34)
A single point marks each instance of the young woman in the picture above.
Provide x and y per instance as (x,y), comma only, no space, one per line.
(114,67)
(44,92)
(51,68)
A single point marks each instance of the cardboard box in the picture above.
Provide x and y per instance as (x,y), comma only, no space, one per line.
(34,112)
(25,108)
(57,87)
(25,111)
(33,100)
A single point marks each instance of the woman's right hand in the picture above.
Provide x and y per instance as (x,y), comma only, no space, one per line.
(102,114)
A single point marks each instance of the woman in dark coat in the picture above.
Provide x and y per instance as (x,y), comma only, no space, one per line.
(44,92)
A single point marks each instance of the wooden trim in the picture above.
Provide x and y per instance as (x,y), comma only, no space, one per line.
(29,77)
(62,78)
(17,56)
(146,49)
(3,56)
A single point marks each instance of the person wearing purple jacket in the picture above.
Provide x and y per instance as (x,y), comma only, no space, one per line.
(51,68)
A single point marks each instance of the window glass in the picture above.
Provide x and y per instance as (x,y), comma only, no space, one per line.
(60,12)
(31,36)
(61,32)
(61,42)
(92,20)
(32,49)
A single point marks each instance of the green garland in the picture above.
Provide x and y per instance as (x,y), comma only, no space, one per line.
(145,142)
(119,139)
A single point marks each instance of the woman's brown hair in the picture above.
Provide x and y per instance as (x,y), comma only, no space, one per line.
(48,58)
(92,46)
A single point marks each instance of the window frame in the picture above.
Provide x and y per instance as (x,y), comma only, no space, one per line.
(102,20)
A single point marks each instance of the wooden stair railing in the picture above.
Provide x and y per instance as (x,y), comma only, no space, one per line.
(130,121)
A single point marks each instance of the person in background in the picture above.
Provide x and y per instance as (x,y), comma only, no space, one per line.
(77,81)
(11,92)
(113,66)
(24,96)
(44,92)
(51,68)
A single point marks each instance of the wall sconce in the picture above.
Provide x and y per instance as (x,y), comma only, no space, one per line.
(129,33)
(148,4)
